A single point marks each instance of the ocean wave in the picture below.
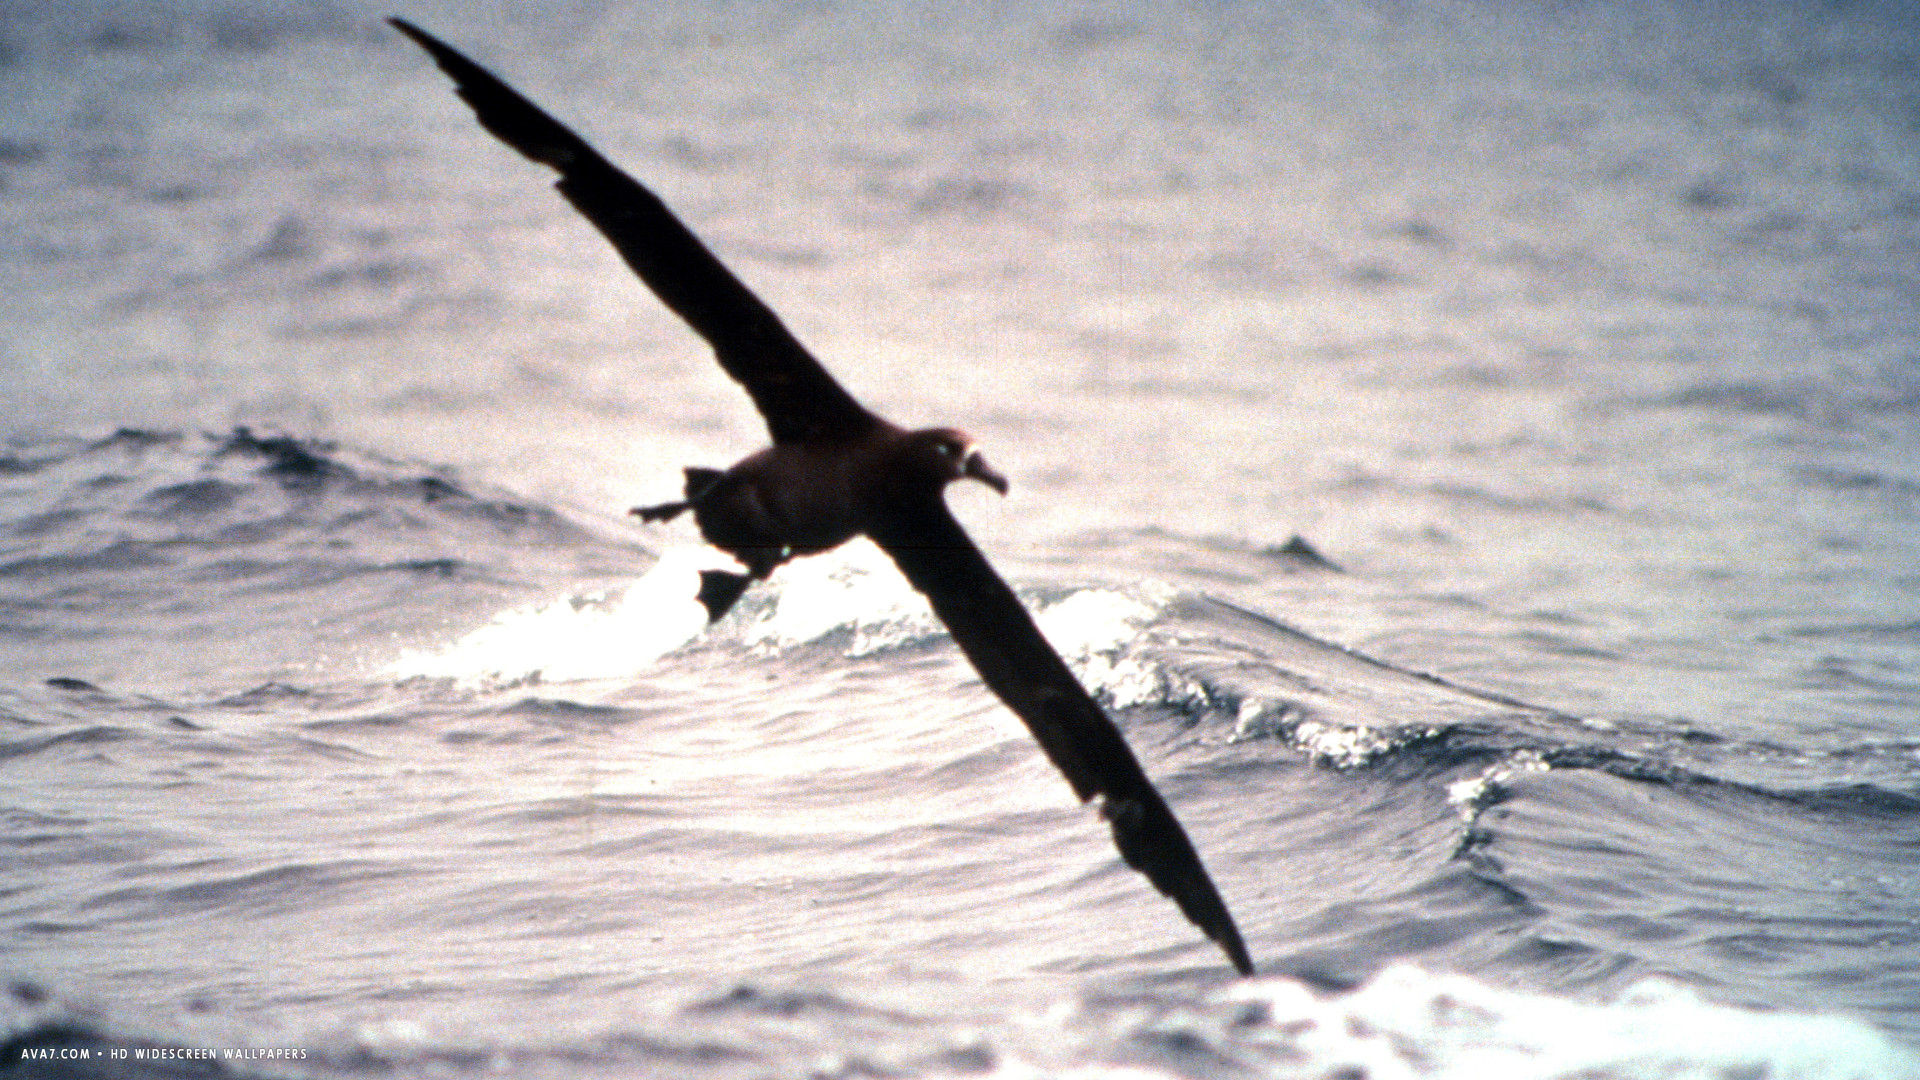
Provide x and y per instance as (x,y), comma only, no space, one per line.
(1143,647)
(826,735)
(245,517)
(147,544)
(150,489)
(1405,1022)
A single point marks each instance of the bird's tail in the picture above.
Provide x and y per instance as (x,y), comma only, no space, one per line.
(699,482)
(662,512)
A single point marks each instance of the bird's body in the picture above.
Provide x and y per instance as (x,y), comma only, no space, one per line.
(748,511)
(805,497)
(836,471)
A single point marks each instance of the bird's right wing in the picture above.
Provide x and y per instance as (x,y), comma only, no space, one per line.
(795,394)
(1013,658)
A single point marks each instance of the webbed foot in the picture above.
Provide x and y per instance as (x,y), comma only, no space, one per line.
(719,589)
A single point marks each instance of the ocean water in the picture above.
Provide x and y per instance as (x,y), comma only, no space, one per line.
(348,728)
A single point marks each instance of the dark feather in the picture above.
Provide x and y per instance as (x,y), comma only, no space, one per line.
(795,394)
(1017,663)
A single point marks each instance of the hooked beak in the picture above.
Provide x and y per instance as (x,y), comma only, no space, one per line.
(977,468)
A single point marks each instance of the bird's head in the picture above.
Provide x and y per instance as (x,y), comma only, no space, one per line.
(943,455)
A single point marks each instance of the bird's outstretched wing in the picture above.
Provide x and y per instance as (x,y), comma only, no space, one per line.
(799,399)
(995,632)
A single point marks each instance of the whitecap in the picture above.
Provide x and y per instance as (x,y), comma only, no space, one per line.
(581,636)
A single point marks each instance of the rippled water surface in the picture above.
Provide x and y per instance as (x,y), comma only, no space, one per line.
(348,728)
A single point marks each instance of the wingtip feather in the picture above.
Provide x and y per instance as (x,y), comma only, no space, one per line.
(500,108)
(1152,841)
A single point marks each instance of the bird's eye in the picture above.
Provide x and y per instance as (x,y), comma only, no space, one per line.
(949,449)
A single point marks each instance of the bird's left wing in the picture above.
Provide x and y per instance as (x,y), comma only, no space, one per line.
(791,388)
(1013,658)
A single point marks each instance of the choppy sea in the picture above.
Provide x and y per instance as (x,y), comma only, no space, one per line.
(1473,448)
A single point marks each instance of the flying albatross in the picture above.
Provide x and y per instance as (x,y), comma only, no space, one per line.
(836,471)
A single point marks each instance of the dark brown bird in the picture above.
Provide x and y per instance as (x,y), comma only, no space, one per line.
(836,471)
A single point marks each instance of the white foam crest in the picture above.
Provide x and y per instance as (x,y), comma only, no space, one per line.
(580,637)
(1330,742)
(1094,630)
(854,587)
(1475,793)
(1408,1023)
